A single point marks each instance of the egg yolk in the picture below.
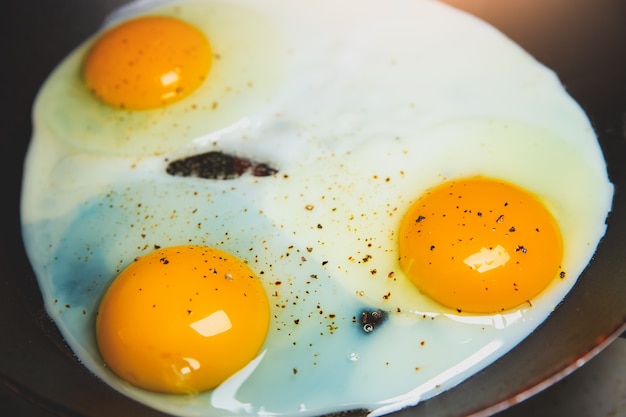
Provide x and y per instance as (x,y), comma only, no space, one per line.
(182,319)
(147,63)
(480,245)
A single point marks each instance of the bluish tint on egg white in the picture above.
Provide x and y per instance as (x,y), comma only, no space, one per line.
(325,357)
(362,106)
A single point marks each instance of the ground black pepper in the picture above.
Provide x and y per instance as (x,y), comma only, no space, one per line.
(218,166)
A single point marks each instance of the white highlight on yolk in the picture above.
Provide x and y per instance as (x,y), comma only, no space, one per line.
(487,259)
(169,78)
(212,324)
(193,365)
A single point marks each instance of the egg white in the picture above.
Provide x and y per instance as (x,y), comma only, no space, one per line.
(362,106)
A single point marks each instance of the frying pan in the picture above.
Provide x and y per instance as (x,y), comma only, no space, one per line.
(584,42)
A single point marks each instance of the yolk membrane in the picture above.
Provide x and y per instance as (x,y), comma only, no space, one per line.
(480,245)
(148,62)
(182,319)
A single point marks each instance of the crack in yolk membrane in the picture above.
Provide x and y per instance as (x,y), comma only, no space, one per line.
(480,245)
(182,319)
(147,63)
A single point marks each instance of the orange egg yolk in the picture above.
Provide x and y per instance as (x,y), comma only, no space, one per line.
(182,319)
(480,245)
(147,63)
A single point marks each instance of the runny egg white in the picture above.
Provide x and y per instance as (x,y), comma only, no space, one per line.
(354,110)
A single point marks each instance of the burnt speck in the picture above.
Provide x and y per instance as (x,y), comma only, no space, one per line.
(420,219)
(371,319)
(263,170)
(520,248)
(562,274)
(218,166)
(164,261)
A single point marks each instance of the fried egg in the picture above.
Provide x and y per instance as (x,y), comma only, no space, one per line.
(300,208)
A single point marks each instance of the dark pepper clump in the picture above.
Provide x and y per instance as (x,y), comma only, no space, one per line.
(371,319)
(217,166)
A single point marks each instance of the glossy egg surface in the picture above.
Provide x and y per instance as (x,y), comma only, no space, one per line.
(304,156)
